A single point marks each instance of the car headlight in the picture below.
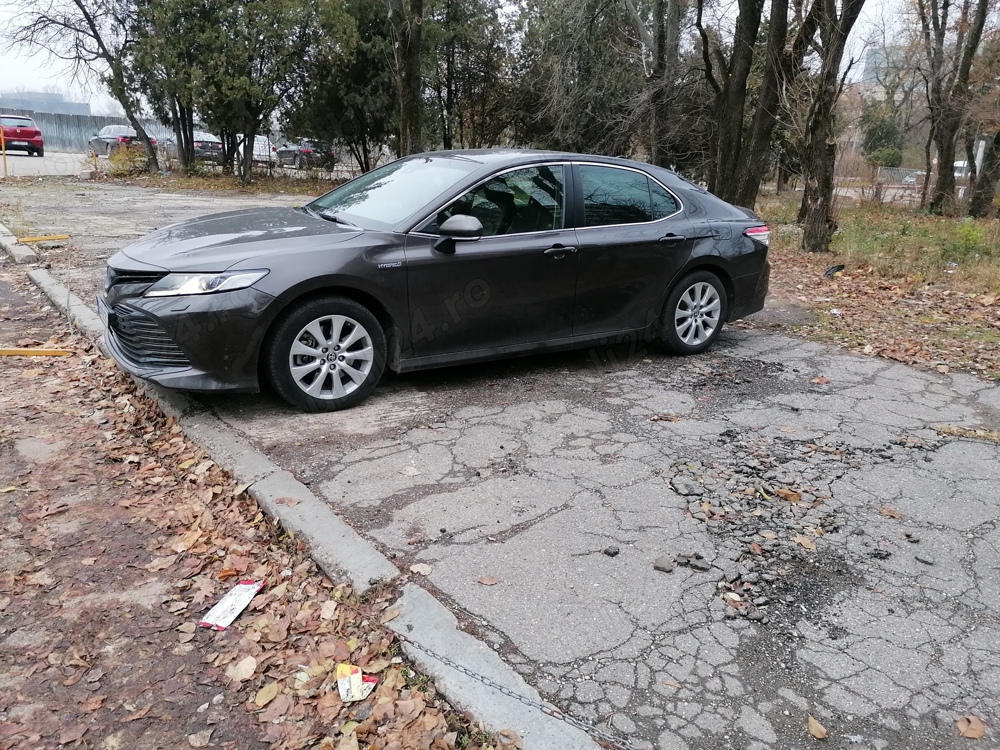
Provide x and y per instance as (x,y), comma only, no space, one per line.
(180,284)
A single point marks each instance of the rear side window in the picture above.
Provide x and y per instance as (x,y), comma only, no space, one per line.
(613,196)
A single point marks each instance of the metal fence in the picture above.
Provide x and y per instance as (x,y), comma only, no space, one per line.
(73,132)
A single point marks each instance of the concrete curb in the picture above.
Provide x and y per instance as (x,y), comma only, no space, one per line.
(20,254)
(339,549)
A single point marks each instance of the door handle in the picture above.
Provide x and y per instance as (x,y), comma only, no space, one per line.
(558,251)
(671,238)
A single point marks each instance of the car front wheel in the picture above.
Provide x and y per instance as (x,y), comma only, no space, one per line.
(694,313)
(325,354)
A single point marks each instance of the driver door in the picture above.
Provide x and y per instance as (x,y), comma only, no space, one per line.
(514,286)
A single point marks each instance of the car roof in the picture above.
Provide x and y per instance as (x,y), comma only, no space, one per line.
(500,157)
(15,117)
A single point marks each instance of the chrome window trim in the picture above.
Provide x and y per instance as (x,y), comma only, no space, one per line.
(645,174)
(414,232)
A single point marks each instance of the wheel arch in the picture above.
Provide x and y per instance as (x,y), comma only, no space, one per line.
(704,263)
(385,318)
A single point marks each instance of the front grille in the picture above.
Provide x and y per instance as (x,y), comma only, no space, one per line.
(142,280)
(143,341)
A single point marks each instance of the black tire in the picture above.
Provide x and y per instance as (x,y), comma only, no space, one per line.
(40,151)
(298,162)
(326,381)
(694,313)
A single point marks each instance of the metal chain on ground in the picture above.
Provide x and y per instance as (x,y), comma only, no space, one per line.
(555,713)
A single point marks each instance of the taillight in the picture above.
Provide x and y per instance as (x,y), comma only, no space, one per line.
(123,139)
(197,144)
(307,151)
(761,234)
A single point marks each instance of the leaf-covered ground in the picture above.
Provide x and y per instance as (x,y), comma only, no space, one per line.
(118,535)
(863,309)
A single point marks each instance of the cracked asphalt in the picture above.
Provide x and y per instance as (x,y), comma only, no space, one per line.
(695,553)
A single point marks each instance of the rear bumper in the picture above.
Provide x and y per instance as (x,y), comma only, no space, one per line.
(749,293)
(24,144)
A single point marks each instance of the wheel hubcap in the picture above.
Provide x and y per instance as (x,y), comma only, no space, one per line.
(697,315)
(331,357)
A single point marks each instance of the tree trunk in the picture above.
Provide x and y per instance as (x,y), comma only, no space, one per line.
(821,143)
(731,102)
(407,20)
(945,135)
(981,204)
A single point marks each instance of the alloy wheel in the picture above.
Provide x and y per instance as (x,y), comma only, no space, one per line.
(698,313)
(331,357)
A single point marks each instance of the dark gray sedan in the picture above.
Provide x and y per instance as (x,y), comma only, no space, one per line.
(432,260)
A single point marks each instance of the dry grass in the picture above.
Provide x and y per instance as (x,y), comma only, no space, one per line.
(901,245)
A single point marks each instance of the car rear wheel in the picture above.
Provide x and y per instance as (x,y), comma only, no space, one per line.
(325,354)
(39,152)
(694,313)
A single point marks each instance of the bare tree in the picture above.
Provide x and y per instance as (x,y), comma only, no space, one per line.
(820,149)
(95,36)
(950,44)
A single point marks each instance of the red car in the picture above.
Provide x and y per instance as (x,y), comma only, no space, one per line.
(21,134)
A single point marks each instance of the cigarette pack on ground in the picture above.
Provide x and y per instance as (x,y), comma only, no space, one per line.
(229,607)
(352,684)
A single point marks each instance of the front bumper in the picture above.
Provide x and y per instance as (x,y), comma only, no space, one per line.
(207,342)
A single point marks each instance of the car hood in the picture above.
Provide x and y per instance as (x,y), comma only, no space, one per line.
(220,241)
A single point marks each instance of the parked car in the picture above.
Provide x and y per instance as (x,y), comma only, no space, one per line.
(263,149)
(113,137)
(306,153)
(431,260)
(207,147)
(21,134)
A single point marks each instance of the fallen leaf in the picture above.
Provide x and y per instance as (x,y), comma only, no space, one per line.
(821,380)
(671,683)
(790,495)
(817,730)
(488,581)
(971,727)
(389,615)
(7,489)
(289,501)
(242,670)
(328,610)
(769,535)
(756,548)
(94,703)
(422,569)
(200,739)
(138,714)
(888,512)
(266,694)
(186,541)
(805,542)
(72,734)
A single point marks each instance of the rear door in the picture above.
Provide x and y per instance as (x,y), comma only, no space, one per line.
(633,239)
(513,286)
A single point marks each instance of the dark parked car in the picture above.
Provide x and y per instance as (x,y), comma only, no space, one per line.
(432,260)
(306,153)
(21,134)
(207,147)
(113,137)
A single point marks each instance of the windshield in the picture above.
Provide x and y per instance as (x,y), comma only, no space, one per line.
(16,122)
(387,195)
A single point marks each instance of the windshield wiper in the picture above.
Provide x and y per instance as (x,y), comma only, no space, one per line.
(310,211)
(335,218)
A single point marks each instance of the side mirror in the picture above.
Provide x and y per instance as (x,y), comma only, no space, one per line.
(458,228)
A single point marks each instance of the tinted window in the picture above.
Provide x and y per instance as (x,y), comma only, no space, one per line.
(17,122)
(664,204)
(614,196)
(387,195)
(525,200)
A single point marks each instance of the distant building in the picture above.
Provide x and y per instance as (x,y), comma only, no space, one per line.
(42,101)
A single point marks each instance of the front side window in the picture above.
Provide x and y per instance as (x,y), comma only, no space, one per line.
(524,200)
(613,196)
